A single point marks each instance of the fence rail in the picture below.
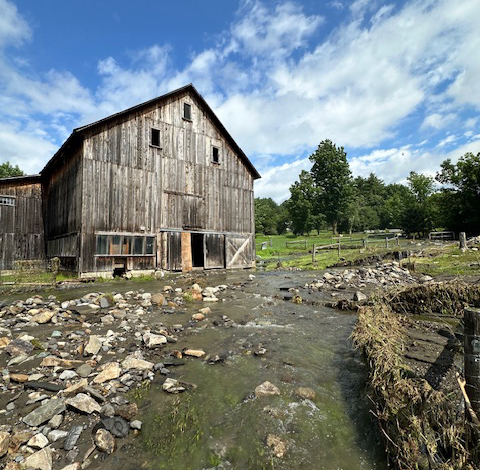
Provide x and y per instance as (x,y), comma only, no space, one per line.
(298,242)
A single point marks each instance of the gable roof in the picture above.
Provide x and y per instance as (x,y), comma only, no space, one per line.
(79,132)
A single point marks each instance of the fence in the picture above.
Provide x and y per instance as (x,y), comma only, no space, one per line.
(441,235)
(264,245)
(298,242)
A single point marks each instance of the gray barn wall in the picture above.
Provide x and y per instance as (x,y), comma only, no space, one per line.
(21,225)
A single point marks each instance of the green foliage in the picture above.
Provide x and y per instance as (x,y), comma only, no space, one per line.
(7,170)
(461,198)
(266,214)
(301,204)
(333,183)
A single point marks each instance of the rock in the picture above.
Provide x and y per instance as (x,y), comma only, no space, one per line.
(105,301)
(84,403)
(277,445)
(67,375)
(305,392)
(130,362)
(159,299)
(72,437)
(45,412)
(56,421)
(104,441)
(93,346)
(21,437)
(266,389)
(136,424)
(117,426)
(33,384)
(359,296)
(198,316)
(39,441)
(4,341)
(19,378)
(152,341)
(4,442)
(18,347)
(53,361)
(73,466)
(109,371)
(56,435)
(205,310)
(43,317)
(194,352)
(172,386)
(108,410)
(426,278)
(210,299)
(127,411)
(75,388)
(41,460)
(84,370)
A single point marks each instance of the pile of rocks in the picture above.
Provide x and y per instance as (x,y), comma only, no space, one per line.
(388,274)
(66,367)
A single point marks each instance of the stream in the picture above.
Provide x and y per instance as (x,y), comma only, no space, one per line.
(220,424)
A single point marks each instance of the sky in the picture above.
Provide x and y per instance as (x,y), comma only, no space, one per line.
(397,84)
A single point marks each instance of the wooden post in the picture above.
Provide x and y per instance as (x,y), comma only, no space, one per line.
(463,241)
(398,241)
(339,248)
(472,356)
(386,242)
(313,253)
(364,243)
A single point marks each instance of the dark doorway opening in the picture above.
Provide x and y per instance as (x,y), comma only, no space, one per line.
(119,268)
(198,254)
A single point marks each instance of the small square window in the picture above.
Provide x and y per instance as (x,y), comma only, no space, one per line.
(102,246)
(149,245)
(138,245)
(7,201)
(115,244)
(187,111)
(215,155)
(155,138)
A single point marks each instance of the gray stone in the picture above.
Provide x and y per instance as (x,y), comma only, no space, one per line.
(105,302)
(5,439)
(45,412)
(84,370)
(56,421)
(93,346)
(152,341)
(104,441)
(72,437)
(359,296)
(39,441)
(84,403)
(41,460)
(136,424)
(56,435)
(131,362)
(266,389)
(117,426)
(18,347)
(172,386)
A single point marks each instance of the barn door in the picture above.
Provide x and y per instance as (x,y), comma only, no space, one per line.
(174,251)
(239,251)
(214,250)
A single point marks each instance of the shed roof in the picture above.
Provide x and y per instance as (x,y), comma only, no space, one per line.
(79,132)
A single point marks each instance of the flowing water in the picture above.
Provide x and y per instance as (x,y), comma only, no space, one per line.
(220,425)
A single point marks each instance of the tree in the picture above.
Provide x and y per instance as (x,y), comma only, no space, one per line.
(283,218)
(418,211)
(333,182)
(7,170)
(461,198)
(300,204)
(266,210)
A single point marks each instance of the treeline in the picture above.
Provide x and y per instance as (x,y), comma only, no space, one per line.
(328,196)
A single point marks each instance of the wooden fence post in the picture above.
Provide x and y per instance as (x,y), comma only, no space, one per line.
(463,241)
(339,248)
(472,356)
(313,253)
(398,241)
(364,243)
(386,242)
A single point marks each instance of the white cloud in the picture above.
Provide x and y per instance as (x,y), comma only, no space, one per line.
(14,30)
(438,121)
(449,139)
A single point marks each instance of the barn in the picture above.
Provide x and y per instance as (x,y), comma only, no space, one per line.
(161,185)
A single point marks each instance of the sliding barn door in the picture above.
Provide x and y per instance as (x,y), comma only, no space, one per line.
(239,251)
(214,249)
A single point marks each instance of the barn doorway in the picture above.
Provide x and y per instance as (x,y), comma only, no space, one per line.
(198,253)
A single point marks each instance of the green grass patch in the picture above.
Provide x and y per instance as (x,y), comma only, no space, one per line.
(448,260)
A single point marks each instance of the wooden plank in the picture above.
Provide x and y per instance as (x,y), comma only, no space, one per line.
(214,250)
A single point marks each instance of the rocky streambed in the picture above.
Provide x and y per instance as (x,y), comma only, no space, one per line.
(234,374)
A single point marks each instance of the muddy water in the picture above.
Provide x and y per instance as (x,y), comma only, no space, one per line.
(220,425)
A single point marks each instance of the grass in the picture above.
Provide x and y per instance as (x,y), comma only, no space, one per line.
(39,277)
(448,260)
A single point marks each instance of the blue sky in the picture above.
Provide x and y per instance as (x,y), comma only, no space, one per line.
(396,83)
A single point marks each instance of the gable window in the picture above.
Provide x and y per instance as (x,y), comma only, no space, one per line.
(187,111)
(215,155)
(7,201)
(155,138)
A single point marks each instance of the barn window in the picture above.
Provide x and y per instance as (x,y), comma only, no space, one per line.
(102,245)
(127,245)
(215,155)
(149,246)
(187,111)
(138,246)
(7,201)
(115,245)
(155,137)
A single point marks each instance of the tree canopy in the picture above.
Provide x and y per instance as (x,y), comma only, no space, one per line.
(7,170)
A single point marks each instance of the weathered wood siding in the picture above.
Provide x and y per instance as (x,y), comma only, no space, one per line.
(21,224)
(62,193)
(130,186)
